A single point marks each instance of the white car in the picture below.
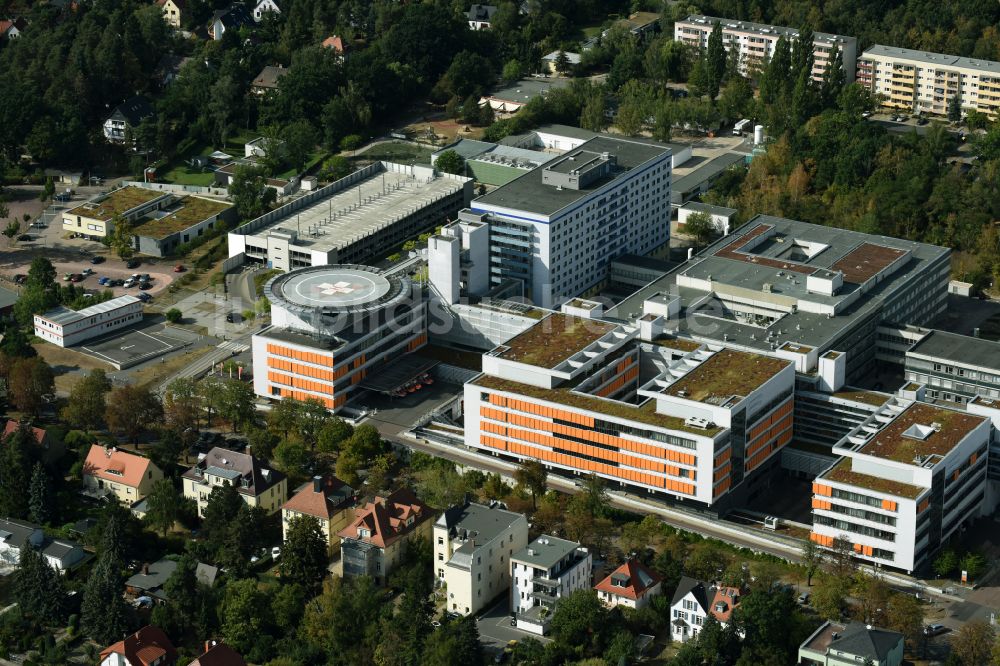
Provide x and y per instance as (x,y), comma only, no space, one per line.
(275,553)
(129,283)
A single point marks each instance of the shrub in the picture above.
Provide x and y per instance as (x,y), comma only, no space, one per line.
(174,315)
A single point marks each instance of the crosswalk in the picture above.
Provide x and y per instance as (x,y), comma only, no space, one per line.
(234,346)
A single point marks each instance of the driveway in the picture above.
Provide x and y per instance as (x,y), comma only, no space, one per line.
(495,631)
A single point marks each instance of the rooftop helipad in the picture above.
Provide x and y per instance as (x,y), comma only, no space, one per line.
(337,288)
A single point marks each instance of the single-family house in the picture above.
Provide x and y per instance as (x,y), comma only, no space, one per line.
(15,535)
(374,543)
(63,554)
(233,17)
(550,62)
(125,117)
(337,44)
(147,647)
(692,602)
(633,585)
(327,499)
(256,482)
(481,16)
(149,580)
(267,80)
(836,644)
(640,24)
(511,98)
(113,473)
(170,66)
(171,11)
(218,654)
(12,29)
(50,449)
(265,7)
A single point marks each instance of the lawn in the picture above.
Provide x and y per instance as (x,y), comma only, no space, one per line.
(182,174)
(397,151)
(314,159)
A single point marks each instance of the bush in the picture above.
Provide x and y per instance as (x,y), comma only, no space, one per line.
(351,142)
(174,315)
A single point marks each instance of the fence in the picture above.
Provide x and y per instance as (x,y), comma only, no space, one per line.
(182,189)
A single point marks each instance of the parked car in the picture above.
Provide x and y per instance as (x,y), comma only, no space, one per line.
(24,237)
(922,121)
(276,552)
(234,317)
(132,263)
(67,276)
(129,283)
(103,280)
(804,598)
(934,629)
(144,297)
(97,259)
(116,283)
(145,285)
(87,272)
(20,278)
(144,277)
(179,268)
(76,277)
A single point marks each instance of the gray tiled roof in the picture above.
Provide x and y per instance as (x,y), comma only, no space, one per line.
(929,58)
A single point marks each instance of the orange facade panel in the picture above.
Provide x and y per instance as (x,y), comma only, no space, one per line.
(821,504)
(821,539)
(299,383)
(926,502)
(820,489)
(888,505)
(308,357)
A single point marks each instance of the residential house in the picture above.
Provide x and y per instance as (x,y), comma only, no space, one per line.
(63,554)
(327,499)
(640,24)
(256,483)
(550,62)
(126,117)
(542,574)
(480,16)
(170,66)
(171,11)
(374,543)
(12,29)
(633,584)
(218,654)
(692,602)
(338,45)
(233,17)
(150,579)
(110,472)
(264,7)
(267,80)
(835,644)
(15,535)
(147,647)
(51,449)
(473,546)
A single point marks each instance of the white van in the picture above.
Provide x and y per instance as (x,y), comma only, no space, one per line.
(739,127)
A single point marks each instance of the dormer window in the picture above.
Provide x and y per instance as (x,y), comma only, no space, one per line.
(409,521)
(720,607)
(363,533)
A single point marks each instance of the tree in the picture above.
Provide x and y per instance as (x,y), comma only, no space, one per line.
(38,496)
(249,192)
(563,65)
(450,162)
(122,236)
(30,380)
(174,315)
(812,557)
(763,616)
(531,474)
(244,614)
(592,115)
(736,100)
(512,71)
(237,403)
(223,504)
(104,615)
(284,416)
(595,493)
(86,406)
(311,417)
(41,274)
(292,458)
(182,403)
(904,614)
(167,449)
(834,78)
(946,563)
(38,588)
(164,506)
(299,142)
(49,189)
(955,108)
(303,556)
(455,642)
(841,558)
(132,410)
(973,643)
(715,56)
(365,443)
(261,442)
(12,229)
(579,621)
(334,433)
(700,226)
(973,564)
(700,81)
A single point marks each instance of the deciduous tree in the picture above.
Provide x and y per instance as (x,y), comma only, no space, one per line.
(531,474)
(132,410)
(86,406)
(30,380)
(164,506)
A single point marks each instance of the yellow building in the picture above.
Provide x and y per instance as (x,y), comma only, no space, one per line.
(256,484)
(108,472)
(171,11)
(329,500)
(94,218)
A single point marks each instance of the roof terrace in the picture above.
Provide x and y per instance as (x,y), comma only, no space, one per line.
(554,340)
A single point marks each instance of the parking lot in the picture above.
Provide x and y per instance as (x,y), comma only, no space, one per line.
(495,631)
(134,346)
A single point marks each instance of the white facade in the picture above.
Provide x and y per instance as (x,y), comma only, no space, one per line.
(756,42)
(721,217)
(472,555)
(918,81)
(458,259)
(263,7)
(65,327)
(542,574)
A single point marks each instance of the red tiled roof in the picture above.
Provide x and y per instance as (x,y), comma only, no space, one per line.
(334,42)
(219,654)
(13,425)
(333,497)
(114,465)
(640,580)
(385,518)
(729,597)
(144,647)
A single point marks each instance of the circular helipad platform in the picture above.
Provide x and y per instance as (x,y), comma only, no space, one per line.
(337,288)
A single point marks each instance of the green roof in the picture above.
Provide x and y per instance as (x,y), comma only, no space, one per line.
(727,373)
(842,473)
(554,339)
(117,202)
(185,214)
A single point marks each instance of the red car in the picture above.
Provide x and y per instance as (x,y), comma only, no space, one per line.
(179,268)
(76,277)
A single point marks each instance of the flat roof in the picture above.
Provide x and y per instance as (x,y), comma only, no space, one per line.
(959,349)
(762,28)
(866,397)
(945,428)
(63,315)
(842,473)
(546,551)
(361,209)
(117,202)
(466,148)
(525,90)
(529,193)
(927,57)
(866,261)
(806,328)
(184,214)
(336,288)
(642,413)
(554,339)
(708,208)
(726,373)
(692,180)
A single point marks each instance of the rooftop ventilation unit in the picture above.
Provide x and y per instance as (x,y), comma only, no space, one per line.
(697,422)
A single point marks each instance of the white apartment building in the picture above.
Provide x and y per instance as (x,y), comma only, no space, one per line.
(918,81)
(64,327)
(542,574)
(634,407)
(910,476)
(473,546)
(756,42)
(557,228)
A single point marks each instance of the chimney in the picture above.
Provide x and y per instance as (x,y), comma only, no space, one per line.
(317,484)
(145,569)
(209,644)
